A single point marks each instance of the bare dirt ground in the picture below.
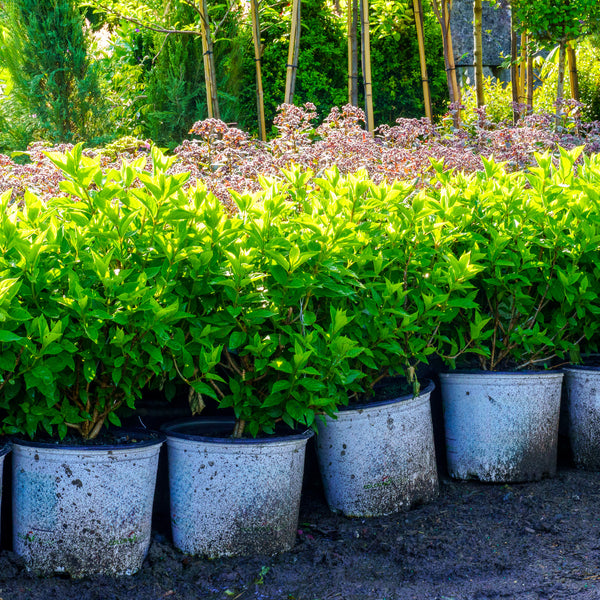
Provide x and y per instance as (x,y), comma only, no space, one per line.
(535,541)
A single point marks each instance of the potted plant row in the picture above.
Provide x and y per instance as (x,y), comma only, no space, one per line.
(88,313)
(292,314)
(377,454)
(535,306)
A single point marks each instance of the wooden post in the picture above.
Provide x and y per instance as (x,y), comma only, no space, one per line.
(418,13)
(366,63)
(260,97)
(293,52)
(447,4)
(353,52)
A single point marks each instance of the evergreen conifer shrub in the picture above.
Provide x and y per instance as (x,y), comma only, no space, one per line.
(45,50)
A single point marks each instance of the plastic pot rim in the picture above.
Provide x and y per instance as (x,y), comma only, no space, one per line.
(170,430)
(153,438)
(364,405)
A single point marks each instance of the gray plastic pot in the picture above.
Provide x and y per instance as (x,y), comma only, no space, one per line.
(233,497)
(379,458)
(582,386)
(5,448)
(501,427)
(84,510)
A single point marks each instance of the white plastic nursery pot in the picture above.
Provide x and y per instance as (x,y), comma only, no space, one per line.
(5,448)
(582,386)
(233,497)
(501,427)
(379,458)
(84,509)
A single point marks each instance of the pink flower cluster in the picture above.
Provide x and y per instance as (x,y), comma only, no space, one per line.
(225,158)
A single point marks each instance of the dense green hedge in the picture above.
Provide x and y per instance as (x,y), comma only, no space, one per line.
(296,304)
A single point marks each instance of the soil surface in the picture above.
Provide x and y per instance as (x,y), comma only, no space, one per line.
(476,541)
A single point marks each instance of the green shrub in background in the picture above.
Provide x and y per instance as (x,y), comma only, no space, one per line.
(322,77)
(45,50)
(121,72)
(397,87)
(172,94)
(588,65)
(322,72)
(498,102)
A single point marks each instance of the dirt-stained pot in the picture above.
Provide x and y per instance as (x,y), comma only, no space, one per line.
(582,385)
(501,427)
(379,458)
(233,497)
(5,448)
(84,509)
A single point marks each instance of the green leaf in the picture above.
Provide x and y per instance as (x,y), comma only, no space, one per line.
(9,336)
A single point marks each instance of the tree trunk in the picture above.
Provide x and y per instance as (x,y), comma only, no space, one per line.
(560,80)
(418,13)
(209,64)
(442,12)
(529,83)
(366,63)
(478,51)
(523,71)
(260,98)
(573,74)
(293,52)
(353,52)
(514,76)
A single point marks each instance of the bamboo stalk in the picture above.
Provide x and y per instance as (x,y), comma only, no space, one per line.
(451,64)
(560,79)
(352,52)
(366,63)
(478,51)
(442,13)
(529,82)
(573,74)
(209,63)
(293,51)
(260,97)
(514,78)
(418,13)
(523,71)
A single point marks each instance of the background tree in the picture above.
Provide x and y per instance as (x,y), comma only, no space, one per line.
(45,50)
(556,22)
(352,52)
(397,66)
(418,13)
(443,10)
(478,50)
